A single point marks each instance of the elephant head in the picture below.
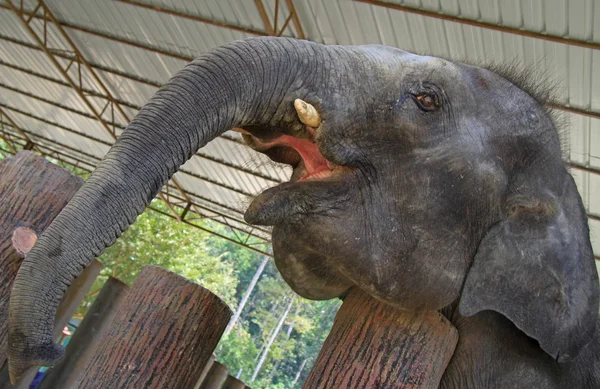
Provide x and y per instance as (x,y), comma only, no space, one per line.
(426,182)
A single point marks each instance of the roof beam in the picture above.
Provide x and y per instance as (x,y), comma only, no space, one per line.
(63,83)
(5,137)
(78,59)
(561,107)
(249,247)
(196,18)
(489,26)
(3,114)
(265,18)
(296,19)
(195,175)
(122,127)
(98,67)
(273,29)
(57,105)
(66,56)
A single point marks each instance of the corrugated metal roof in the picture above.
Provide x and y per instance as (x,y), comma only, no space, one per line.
(134,49)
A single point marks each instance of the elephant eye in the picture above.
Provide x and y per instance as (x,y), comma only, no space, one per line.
(427,101)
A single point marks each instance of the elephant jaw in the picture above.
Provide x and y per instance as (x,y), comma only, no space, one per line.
(311,171)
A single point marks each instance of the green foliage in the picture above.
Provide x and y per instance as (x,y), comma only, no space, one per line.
(237,350)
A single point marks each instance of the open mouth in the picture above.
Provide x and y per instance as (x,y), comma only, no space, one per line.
(300,151)
(310,169)
(302,154)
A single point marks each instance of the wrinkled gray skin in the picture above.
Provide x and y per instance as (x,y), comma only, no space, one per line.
(464,206)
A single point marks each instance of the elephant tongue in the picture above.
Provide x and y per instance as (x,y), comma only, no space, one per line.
(314,161)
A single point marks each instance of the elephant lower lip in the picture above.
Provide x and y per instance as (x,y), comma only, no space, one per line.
(299,196)
(314,174)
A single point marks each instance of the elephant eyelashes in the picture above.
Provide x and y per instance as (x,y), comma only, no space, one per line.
(427,102)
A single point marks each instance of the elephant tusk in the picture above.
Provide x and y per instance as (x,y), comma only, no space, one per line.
(307,113)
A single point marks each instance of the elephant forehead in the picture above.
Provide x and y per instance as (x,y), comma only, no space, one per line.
(401,62)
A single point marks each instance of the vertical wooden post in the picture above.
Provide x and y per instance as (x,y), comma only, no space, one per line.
(87,336)
(32,193)
(232,383)
(163,333)
(216,376)
(372,345)
(205,371)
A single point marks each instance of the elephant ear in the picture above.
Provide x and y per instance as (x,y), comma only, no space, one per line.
(536,267)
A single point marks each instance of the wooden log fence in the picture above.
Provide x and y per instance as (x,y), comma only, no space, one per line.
(372,345)
(162,332)
(87,336)
(233,383)
(216,376)
(206,368)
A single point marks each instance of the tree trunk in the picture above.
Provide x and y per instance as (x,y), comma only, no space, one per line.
(262,329)
(272,338)
(33,191)
(246,295)
(87,336)
(299,371)
(163,334)
(233,383)
(372,345)
(287,337)
(216,376)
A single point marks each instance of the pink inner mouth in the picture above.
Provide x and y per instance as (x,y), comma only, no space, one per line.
(316,165)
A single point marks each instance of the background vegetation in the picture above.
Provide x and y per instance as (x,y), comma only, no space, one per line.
(258,350)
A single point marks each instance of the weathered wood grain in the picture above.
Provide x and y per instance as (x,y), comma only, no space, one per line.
(32,193)
(205,370)
(87,337)
(374,346)
(232,383)
(216,376)
(163,334)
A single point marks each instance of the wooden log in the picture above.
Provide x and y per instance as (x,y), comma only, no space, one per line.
(87,336)
(232,383)
(206,369)
(22,240)
(164,332)
(373,345)
(32,193)
(216,376)
(71,300)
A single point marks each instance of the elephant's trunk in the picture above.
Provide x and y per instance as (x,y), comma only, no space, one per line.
(247,83)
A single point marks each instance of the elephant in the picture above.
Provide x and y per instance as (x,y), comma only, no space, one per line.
(429,184)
